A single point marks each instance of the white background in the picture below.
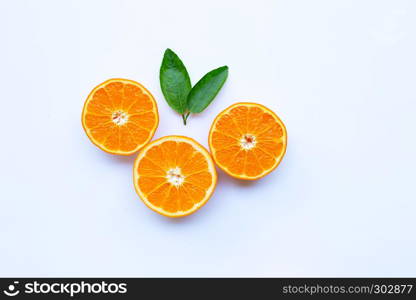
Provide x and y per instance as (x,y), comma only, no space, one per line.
(340,74)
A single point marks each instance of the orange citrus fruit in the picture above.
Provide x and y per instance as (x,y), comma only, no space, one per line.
(247,140)
(174,176)
(120,116)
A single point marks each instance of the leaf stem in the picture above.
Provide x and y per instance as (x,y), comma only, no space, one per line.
(185,117)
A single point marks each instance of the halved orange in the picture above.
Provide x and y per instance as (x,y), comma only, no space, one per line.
(120,116)
(174,176)
(247,140)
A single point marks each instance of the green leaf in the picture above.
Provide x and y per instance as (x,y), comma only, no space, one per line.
(206,89)
(174,81)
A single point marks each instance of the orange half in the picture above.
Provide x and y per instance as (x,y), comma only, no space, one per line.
(174,176)
(120,116)
(247,140)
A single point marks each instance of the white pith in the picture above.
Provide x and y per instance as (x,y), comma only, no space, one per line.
(119,117)
(248,141)
(175,177)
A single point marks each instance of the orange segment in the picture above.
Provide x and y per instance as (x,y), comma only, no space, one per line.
(247,140)
(120,116)
(174,176)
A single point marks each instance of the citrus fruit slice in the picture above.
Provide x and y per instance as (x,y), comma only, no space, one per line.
(247,140)
(174,176)
(120,116)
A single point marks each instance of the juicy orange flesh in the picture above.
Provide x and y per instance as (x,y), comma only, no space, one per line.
(246,122)
(153,171)
(107,103)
